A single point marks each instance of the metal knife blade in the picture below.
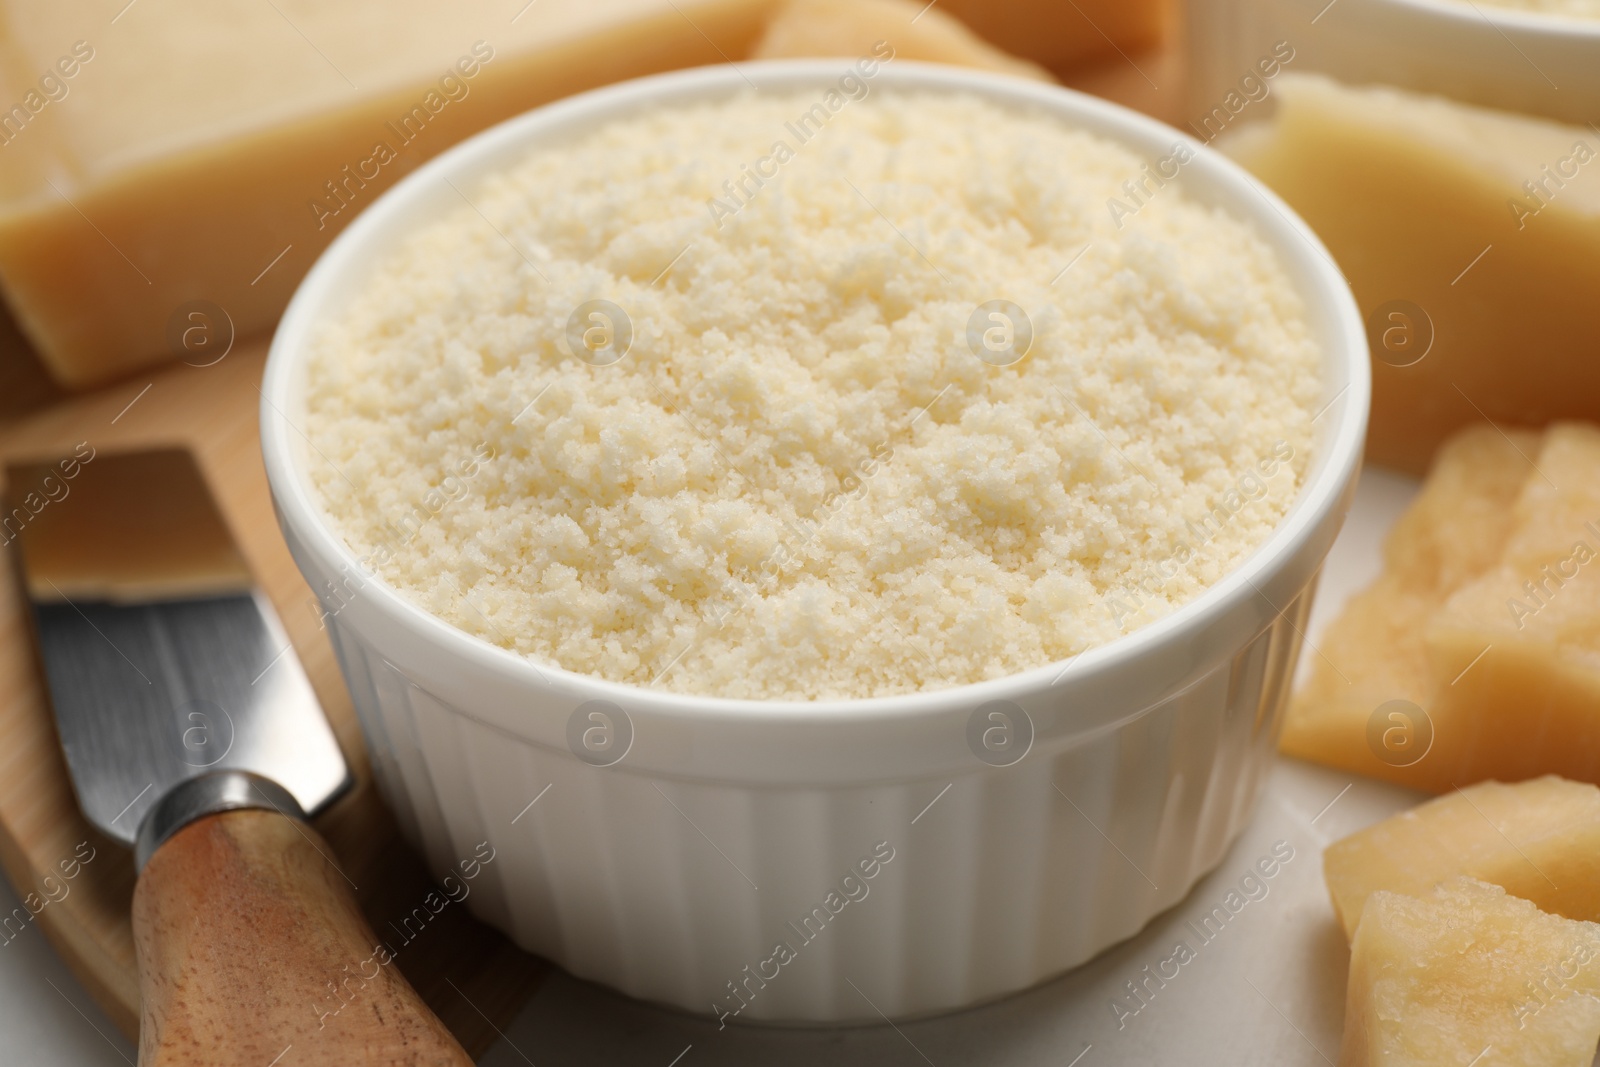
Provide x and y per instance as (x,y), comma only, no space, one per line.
(163,659)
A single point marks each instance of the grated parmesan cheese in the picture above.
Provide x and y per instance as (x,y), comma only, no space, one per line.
(801,481)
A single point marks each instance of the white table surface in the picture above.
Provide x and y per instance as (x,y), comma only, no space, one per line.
(1268,989)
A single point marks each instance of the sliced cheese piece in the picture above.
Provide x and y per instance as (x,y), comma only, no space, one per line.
(854,27)
(1487,221)
(1459,525)
(1560,501)
(1372,655)
(1469,975)
(1522,641)
(1376,651)
(1487,623)
(1538,840)
(1522,709)
(207,150)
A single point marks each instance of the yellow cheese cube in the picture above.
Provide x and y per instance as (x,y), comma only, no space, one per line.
(1523,703)
(1468,975)
(1538,840)
(207,150)
(1487,222)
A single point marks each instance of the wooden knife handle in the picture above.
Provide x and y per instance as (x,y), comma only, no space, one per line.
(252,952)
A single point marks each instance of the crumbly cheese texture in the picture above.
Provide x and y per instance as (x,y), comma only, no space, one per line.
(800,482)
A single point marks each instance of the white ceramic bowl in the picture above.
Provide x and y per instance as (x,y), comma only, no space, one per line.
(668,873)
(1490,56)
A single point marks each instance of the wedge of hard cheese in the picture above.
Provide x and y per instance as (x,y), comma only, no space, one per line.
(1486,621)
(1376,650)
(1538,840)
(1487,222)
(1468,976)
(163,152)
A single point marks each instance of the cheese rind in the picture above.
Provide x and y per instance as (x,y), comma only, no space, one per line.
(1487,221)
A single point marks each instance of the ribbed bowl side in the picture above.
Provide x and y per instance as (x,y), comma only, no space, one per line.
(680,891)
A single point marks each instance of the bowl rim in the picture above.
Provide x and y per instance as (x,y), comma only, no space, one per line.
(1529,23)
(1319,500)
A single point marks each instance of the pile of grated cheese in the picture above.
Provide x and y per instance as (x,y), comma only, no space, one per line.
(800,482)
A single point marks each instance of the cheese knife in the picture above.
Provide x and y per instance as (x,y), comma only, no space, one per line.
(193,736)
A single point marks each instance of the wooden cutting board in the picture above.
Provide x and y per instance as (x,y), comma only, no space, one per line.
(469,974)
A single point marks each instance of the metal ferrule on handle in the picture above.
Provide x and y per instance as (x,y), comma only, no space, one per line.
(205,795)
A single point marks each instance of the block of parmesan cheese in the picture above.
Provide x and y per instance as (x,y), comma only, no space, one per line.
(1470,976)
(160,153)
(1538,840)
(1487,222)
(1376,650)
(1532,624)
